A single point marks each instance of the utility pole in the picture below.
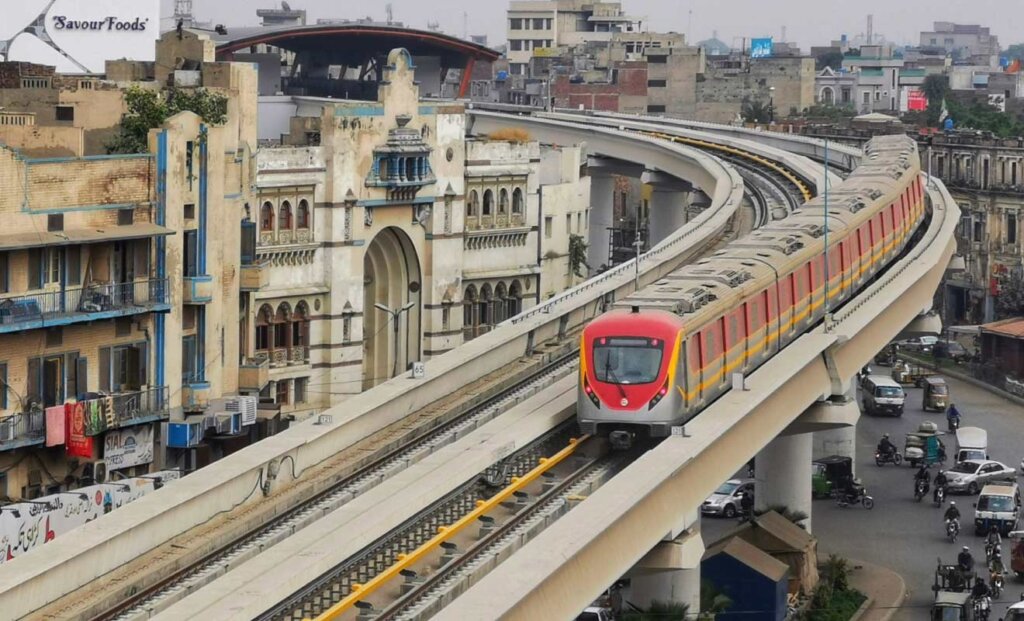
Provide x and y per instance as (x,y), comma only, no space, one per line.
(827,326)
(636,244)
(394,314)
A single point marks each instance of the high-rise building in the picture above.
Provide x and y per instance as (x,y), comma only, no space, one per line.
(967,43)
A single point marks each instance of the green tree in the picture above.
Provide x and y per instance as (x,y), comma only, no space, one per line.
(833,59)
(756,111)
(149,108)
(577,255)
(935,87)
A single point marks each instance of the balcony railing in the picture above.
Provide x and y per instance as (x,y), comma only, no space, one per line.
(253,374)
(22,429)
(126,408)
(78,304)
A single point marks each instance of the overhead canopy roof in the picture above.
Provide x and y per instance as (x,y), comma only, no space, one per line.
(350,44)
(70,237)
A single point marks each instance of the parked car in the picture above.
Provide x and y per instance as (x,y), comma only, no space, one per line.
(726,499)
(919,343)
(595,613)
(971,475)
(952,350)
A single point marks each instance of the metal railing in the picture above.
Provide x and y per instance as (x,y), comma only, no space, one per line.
(23,426)
(96,298)
(112,411)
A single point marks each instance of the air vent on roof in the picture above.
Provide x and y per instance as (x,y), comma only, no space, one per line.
(734,278)
(791,245)
(695,299)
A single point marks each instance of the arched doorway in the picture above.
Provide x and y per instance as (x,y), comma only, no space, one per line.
(827,96)
(391,278)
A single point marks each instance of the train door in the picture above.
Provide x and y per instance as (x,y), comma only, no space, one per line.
(863,261)
(694,374)
(772,332)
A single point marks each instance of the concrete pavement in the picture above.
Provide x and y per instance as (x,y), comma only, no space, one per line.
(884,588)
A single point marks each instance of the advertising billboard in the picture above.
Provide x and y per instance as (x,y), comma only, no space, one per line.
(912,100)
(761,48)
(78,36)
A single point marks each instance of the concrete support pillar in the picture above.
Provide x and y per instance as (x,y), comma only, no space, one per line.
(668,213)
(602,192)
(841,441)
(676,585)
(783,475)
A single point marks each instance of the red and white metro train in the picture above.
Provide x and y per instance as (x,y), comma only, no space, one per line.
(670,349)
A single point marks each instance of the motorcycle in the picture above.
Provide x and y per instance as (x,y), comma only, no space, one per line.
(952,530)
(860,495)
(952,423)
(891,457)
(939,496)
(996,584)
(920,489)
(982,608)
(990,551)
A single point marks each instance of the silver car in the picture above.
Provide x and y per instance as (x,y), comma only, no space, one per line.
(971,475)
(726,499)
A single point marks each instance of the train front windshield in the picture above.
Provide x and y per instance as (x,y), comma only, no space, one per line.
(626,360)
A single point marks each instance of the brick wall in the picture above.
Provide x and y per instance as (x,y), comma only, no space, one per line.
(106,181)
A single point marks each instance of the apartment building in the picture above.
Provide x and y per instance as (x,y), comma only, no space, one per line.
(122,282)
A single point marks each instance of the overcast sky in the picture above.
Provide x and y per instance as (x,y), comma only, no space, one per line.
(807,22)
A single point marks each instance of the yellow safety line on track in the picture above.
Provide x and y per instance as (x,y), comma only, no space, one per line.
(362,591)
(800,185)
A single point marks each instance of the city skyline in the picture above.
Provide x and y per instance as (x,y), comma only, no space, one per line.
(897,22)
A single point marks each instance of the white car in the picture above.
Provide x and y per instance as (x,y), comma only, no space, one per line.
(1015,612)
(971,475)
(726,499)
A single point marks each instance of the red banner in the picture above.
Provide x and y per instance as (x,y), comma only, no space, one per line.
(78,443)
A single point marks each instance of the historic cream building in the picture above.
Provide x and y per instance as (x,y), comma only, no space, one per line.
(392,238)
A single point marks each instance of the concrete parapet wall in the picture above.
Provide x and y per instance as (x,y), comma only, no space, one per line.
(70,562)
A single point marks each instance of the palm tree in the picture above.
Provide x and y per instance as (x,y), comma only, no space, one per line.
(756,112)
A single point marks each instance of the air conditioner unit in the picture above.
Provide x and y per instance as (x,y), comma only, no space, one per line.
(229,424)
(6,430)
(99,471)
(244,405)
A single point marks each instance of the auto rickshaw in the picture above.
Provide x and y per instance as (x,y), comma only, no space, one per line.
(1016,538)
(952,588)
(827,472)
(924,445)
(906,373)
(936,395)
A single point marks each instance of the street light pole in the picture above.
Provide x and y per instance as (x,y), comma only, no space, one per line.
(771,105)
(394,314)
(636,244)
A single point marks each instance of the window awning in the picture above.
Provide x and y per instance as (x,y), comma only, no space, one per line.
(72,237)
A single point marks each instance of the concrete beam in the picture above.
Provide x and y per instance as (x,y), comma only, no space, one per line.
(826,415)
(605,165)
(566,566)
(662,181)
(683,552)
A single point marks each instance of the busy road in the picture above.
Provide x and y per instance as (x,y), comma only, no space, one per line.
(900,533)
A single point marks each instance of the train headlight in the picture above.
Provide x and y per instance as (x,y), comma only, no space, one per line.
(658,397)
(590,392)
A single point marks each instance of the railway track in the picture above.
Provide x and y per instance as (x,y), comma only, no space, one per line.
(387,569)
(166,592)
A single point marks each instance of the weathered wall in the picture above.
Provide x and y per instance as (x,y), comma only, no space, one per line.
(42,141)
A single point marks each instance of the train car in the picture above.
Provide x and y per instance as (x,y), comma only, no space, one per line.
(670,349)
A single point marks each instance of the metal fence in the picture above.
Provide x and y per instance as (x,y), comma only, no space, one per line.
(116,410)
(94,298)
(23,426)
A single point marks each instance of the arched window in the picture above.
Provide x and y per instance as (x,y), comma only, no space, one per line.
(485,305)
(267,217)
(302,215)
(514,303)
(498,306)
(472,207)
(517,201)
(263,319)
(469,316)
(300,332)
(286,216)
(488,202)
(282,334)
(503,202)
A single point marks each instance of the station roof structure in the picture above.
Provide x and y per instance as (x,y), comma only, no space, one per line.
(355,45)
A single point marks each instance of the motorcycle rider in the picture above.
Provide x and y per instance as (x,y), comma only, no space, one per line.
(965,561)
(922,475)
(995,566)
(993,538)
(940,482)
(952,513)
(885,446)
(980,589)
(952,415)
